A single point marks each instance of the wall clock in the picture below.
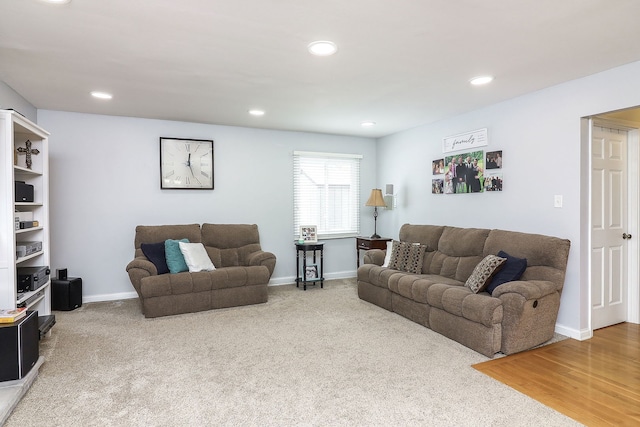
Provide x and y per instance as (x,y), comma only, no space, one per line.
(186,163)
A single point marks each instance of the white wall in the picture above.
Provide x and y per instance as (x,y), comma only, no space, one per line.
(9,98)
(539,134)
(105,181)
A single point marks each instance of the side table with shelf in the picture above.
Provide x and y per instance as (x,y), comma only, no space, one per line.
(311,276)
(367,243)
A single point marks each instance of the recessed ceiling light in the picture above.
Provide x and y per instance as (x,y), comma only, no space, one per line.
(367,124)
(481,80)
(322,48)
(57,1)
(256,112)
(101,95)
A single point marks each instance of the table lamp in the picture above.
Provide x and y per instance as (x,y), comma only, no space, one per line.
(376,200)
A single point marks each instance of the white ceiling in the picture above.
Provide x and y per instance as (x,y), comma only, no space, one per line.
(400,63)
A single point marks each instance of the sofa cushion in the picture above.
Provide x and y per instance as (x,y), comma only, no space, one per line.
(202,281)
(407,257)
(175,259)
(160,233)
(459,251)
(155,253)
(427,235)
(195,256)
(460,301)
(376,275)
(484,271)
(415,287)
(510,271)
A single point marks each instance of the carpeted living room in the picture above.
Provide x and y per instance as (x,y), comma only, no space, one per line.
(320,357)
(334,213)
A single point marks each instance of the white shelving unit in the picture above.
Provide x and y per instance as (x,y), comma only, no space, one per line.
(15,130)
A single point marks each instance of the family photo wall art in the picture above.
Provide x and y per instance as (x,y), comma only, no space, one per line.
(493,174)
(473,171)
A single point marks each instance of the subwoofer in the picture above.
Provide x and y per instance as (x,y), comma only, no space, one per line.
(20,349)
(66,294)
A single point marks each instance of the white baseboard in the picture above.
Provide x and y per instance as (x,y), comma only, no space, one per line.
(289,280)
(577,334)
(110,297)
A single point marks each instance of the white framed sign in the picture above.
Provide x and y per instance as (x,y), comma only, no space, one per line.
(309,233)
(465,141)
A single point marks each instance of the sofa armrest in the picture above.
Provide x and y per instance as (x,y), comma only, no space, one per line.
(528,289)
(374,256)
(530,310)
(267,259)
(139,268)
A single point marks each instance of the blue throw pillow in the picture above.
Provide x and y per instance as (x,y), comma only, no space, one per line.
(155,253)
(510,271)
(175,259)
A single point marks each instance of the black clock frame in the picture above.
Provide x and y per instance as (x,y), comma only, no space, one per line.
(183,140)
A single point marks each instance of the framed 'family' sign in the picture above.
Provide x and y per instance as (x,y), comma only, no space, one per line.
(465,141)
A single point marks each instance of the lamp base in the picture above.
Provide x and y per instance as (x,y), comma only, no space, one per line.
(375,236)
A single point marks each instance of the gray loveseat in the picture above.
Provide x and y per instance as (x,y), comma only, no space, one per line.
(517,316)
(241,275)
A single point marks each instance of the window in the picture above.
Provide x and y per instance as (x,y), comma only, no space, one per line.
(326,193)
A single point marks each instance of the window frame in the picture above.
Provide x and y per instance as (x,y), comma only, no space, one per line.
(330,190)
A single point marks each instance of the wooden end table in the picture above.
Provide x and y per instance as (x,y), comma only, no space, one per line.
(366,243)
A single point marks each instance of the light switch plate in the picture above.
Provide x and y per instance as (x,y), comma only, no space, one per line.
(557,201)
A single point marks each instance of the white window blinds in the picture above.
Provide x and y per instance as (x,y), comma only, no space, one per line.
(326,193)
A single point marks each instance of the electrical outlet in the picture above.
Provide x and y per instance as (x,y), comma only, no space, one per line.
(557,201)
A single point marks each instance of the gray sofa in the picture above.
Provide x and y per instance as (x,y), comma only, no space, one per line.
(241,276)
(517,316)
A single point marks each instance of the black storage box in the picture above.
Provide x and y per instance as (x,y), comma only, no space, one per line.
(66,294)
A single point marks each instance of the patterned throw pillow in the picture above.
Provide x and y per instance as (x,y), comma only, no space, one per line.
(407,257)
(483,273)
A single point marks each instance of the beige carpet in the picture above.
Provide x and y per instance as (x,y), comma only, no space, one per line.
(317,358)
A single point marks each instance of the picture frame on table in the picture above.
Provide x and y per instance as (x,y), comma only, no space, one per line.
(311,272)
(309,233)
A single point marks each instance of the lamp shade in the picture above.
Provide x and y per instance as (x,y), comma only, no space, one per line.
(376,198)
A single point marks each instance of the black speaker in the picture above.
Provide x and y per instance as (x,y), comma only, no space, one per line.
(66,294)
(24,192)
(20,349)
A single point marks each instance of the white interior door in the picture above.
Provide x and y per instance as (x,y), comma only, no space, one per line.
(609,227)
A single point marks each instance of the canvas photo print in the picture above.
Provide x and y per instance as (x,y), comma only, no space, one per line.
(437,186)
(437,166)
(464,173)
(493,182)
(494,160)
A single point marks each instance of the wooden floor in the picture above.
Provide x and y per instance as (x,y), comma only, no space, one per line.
(595,382)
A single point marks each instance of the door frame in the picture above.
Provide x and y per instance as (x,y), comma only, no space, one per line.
(633,217)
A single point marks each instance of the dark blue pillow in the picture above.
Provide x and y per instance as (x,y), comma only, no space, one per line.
(155,253)
(510,271)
